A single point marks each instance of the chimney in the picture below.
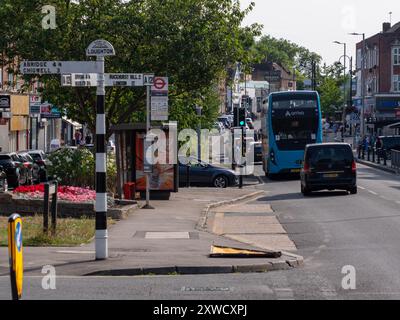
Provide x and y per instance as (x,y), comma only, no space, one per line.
(386,26)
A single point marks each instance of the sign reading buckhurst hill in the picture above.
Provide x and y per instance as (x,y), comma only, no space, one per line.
(100,48)
(124,79)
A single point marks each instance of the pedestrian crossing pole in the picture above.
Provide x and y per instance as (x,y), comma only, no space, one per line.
(100,49)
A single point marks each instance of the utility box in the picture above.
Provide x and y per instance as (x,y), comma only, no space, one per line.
(129,191)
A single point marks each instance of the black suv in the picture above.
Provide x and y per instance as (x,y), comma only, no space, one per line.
(328,166)
(17,172)
(41,160)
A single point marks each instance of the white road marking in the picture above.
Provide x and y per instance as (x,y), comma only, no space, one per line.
(362,188)
(284,294)
(372,192)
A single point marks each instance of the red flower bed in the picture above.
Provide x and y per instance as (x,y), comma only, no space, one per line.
(73,194)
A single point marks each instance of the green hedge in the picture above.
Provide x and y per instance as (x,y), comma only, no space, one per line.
(76,167)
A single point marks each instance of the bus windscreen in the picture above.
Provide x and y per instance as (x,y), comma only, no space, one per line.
(295,120)
(294,102)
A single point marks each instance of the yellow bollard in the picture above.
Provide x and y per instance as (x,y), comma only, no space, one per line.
(15,254)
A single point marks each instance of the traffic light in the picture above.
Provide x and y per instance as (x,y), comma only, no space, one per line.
(240,117)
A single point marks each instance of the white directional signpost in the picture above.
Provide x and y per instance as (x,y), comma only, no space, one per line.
(91,74)
(101,49)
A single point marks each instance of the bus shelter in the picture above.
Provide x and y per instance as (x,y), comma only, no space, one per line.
(129,143)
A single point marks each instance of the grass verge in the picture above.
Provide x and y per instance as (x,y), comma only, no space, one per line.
(70,231)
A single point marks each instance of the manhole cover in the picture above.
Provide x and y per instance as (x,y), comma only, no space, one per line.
(156,235)
(167,235)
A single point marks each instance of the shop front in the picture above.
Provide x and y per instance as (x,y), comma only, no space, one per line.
(387,111)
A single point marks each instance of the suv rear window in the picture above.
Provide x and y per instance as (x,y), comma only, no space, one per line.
(329,154)
(4,157)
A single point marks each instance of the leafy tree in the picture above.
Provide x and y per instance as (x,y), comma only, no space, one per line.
(190,41)
(331,96)
(286,53)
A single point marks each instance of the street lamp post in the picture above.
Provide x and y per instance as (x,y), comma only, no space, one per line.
(362,122)
(344,90)
(199,113)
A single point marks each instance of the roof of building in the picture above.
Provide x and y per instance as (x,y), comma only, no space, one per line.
(394,28)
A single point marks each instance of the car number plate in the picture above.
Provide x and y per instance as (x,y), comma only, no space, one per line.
(331,175)
(295,170)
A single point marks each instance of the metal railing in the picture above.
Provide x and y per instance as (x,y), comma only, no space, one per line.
(396,160)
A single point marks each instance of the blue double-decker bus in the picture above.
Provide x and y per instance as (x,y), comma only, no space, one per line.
(290,121)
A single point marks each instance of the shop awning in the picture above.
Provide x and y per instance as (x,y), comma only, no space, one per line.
(394,126)
(75,124)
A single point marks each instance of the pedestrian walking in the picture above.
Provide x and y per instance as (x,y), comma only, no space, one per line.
(78,137)
(88,139)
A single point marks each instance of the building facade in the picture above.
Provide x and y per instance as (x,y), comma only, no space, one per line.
(23,125)
(380,68)
(278,77)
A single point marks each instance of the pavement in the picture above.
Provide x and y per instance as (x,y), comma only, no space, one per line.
(252,223)
(331,230)
(388,168)
(167,240)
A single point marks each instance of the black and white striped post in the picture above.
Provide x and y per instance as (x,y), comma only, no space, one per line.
(100,49)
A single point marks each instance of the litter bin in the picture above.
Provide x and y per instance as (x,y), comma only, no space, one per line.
(129,191)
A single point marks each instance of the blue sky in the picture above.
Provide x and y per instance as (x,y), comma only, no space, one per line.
(315,24)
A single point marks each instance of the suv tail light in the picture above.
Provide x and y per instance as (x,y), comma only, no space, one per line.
(306,167)
(353,166)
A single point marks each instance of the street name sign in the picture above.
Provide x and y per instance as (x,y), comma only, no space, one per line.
(110,80)
(123,80)
(79,80)
(59,67)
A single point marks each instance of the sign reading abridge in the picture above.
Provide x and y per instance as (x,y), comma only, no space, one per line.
(59,67)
